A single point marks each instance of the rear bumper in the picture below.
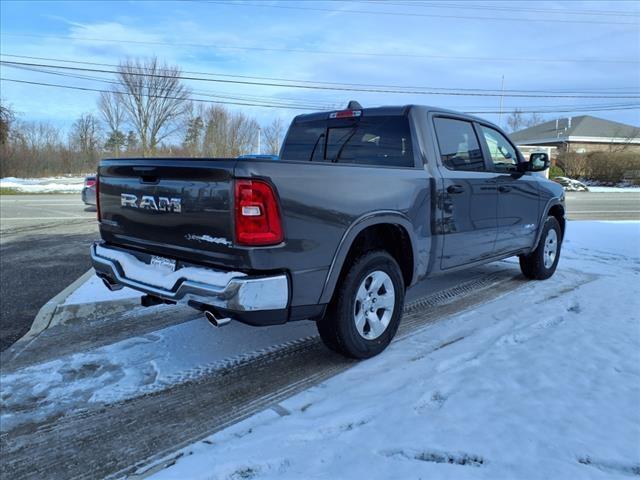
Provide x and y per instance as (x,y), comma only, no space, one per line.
(229,291)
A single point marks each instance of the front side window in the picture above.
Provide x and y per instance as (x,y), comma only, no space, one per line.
(459,148)
(503,155)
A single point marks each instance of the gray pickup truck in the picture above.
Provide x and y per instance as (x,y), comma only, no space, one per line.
(361,204)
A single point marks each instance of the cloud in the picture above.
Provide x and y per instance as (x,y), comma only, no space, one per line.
(163,29)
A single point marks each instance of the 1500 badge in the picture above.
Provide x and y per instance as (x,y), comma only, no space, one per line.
(149,202)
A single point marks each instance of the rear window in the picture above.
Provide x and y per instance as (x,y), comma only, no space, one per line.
(380,140)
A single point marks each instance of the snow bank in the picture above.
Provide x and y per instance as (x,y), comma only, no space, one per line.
(595,189)
(44,185)
(94,290)
(541,383)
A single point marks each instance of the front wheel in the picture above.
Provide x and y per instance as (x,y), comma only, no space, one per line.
(542,262)
(365,313)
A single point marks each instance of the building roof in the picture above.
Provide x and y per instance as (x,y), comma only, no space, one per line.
(583,128)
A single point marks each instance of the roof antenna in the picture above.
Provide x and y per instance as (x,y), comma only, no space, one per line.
(353,105)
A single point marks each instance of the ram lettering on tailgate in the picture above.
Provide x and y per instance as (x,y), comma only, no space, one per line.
(162,204)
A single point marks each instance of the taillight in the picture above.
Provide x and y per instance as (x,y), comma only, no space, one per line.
(89,183)
(257,215)
(98,198)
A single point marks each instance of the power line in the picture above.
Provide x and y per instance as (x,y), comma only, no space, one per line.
(321,87)
(510,8)
(303,103)
(330,52)
(429,15)
(284,103)
(318,82)
(87,89)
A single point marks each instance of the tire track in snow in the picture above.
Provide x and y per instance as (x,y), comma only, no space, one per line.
(131,436)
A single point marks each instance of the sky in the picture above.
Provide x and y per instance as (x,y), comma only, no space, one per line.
(454,54)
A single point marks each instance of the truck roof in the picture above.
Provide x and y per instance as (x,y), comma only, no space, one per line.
(387,110)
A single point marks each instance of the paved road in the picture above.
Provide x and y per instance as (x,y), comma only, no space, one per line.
(44,243)
(603,206)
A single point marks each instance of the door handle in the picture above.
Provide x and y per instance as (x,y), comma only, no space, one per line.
(504,189)
(455,189)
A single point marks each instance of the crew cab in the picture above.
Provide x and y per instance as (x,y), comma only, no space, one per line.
(361,204)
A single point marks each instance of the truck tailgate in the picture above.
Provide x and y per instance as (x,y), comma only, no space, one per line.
(166,206)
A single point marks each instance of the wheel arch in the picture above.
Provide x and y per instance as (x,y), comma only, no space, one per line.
(390,231)
(556,209)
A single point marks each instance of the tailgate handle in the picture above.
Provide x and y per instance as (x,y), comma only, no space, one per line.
(147,174)
(149,179)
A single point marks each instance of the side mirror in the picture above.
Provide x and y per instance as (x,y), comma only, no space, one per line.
(538,162)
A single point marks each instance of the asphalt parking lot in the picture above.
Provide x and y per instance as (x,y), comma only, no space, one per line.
(44,246)
(44,242)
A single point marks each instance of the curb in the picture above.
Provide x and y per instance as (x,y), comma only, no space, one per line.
(46,313)
(54,312)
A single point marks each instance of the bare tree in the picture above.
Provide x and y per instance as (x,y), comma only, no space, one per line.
(35,150)
(85,139)
(515,120)
(194,130)
(154,99)
(242,134)
(533,119)
(6,118)
(215,131)
(627,137)
(273,134)
(113,113)
(85,134)
(228,134)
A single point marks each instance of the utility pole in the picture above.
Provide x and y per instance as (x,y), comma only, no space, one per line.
(259,149)
(501,95)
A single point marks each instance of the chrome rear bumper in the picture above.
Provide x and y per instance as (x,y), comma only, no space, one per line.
(233,291)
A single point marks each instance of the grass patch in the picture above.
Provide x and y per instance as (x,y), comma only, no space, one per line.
(16,191)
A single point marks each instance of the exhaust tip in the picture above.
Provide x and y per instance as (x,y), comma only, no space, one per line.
(216,321)
(111,284)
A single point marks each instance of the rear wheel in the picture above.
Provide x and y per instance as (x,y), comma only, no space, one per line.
(542,262)
(365,313)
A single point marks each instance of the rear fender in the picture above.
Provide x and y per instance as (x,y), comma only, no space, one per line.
(367,220)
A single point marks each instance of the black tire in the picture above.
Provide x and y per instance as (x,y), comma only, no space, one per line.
(338,328)
(533,265)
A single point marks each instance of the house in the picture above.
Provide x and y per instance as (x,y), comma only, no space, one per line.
(582,134)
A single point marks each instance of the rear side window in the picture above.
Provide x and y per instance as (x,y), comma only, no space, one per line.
(380,140)
(304,141)
(459,147)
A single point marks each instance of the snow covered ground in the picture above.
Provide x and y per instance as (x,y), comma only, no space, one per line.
(44,185)
(543,382)
(94,290)
(597,189)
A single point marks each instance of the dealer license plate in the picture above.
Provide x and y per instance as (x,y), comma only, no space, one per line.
(164,264)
